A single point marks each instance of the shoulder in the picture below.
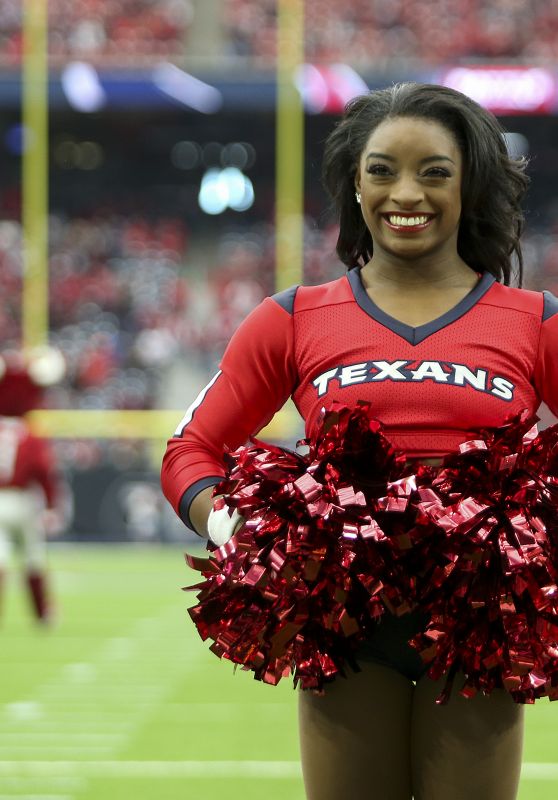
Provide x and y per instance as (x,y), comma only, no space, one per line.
(550,306)
(304,298)
(522,301)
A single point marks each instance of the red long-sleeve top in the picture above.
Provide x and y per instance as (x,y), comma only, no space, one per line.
(491,356)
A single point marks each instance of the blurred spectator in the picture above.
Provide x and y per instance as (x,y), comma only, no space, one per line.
(32,496)
(360,32)
(116,288)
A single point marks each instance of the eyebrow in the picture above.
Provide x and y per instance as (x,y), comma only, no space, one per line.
(426,160)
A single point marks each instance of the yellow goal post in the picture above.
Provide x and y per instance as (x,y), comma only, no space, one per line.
(147,424)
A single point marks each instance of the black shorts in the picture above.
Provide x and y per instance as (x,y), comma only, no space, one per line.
(388,644)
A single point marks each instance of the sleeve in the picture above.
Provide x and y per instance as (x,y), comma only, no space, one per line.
(257,375)
(546,367)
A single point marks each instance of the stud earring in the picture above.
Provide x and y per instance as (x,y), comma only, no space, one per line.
(357,195)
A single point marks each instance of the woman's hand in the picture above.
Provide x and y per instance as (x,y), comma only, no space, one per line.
(223,523)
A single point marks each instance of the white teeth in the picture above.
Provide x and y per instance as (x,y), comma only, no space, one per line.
(407,221)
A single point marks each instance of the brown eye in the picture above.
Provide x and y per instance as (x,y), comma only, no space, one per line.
(437,172)
(378,169)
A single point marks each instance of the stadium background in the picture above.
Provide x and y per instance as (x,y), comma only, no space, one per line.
(173,147)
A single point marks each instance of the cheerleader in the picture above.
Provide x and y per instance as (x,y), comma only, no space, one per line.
(426,328)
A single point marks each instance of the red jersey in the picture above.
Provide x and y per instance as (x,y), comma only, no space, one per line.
(491,356)
(26,460)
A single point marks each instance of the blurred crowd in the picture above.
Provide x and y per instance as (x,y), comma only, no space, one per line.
(115,291)
(116,31)
(359,32)
(127,301)
(365,31)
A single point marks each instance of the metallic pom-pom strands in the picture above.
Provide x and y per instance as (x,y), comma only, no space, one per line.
(336,538)
(490,587)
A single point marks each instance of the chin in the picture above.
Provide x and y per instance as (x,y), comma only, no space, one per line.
(409,253)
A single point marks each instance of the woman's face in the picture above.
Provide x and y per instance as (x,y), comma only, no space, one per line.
(409,179)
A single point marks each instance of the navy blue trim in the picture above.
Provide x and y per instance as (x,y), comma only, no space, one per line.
(422,332)
(286,298)
(189,495)
(550,305)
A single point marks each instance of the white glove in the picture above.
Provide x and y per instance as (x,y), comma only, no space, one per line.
(222,524)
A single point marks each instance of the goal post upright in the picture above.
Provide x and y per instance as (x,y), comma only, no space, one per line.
(34,84)
(289,170)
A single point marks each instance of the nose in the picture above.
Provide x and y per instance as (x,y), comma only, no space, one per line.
(406,192)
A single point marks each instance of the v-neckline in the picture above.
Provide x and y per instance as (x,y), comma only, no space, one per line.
(416,335)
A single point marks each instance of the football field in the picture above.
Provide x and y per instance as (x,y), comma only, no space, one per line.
(122,700)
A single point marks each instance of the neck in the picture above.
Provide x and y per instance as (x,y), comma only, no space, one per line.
(386,270)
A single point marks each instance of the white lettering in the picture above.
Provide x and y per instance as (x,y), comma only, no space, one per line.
(389,369)
(502,388)
(322,381)
(354,373)
(373,371)
(430,369)
(463,375)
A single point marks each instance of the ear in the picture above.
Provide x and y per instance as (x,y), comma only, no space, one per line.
(357,180)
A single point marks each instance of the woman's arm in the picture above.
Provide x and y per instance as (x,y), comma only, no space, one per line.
(256,377)
(200,507)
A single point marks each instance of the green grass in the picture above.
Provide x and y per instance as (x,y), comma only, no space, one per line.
(122,700)
(97,707)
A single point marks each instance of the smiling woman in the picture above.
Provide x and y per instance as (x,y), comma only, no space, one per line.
(426,332)
(455,144)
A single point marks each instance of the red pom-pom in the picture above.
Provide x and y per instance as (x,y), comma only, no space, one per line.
(295,590)
(335,537)
(489,582)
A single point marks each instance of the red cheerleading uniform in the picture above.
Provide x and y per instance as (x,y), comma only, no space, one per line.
(432,386)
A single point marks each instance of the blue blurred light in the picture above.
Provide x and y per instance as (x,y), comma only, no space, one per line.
(82,87)
(14,139)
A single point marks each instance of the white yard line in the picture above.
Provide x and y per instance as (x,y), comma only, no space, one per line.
(108,697)
(539,771)
(34,784)
(58,770)
(70,726)
(55,752)
(160,769)
(29,737)
(112,695)
(35,797)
